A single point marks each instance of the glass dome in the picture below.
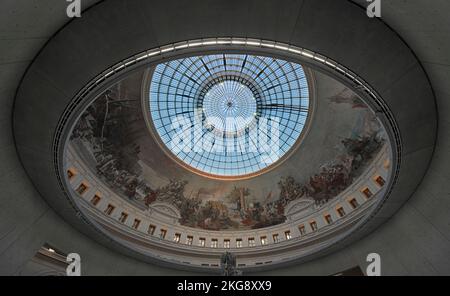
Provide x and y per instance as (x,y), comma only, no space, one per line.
(228,115)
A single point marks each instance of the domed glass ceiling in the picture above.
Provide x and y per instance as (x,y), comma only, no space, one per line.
(228,115)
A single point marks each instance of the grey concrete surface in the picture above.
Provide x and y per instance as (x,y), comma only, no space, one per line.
(414,241)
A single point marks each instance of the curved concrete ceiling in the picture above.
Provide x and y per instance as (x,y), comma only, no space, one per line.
(414,241)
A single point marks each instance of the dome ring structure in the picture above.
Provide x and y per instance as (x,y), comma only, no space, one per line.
(216,87)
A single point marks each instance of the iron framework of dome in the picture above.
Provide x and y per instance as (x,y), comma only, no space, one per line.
(228,115)
(123,182)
